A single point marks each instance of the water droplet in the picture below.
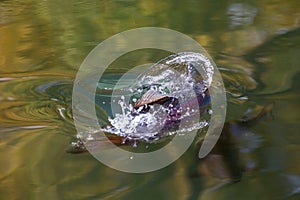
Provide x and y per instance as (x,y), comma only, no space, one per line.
(90,137)
(134,144)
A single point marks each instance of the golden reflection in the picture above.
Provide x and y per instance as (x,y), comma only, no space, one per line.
(42,44)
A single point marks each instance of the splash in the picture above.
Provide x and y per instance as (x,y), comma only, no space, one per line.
(144,126)
(178,78)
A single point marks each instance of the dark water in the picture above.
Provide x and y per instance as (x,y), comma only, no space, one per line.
(256,46)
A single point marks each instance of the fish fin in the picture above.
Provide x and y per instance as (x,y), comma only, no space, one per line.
(150,97)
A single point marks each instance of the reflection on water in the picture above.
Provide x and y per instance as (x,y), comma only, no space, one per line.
(42,44)
(241,14)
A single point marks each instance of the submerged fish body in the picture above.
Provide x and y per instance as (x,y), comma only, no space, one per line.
(170,96)
(224,162)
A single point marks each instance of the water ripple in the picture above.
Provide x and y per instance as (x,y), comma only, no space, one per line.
(30,103)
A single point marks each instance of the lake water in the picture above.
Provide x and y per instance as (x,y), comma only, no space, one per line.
(256,46)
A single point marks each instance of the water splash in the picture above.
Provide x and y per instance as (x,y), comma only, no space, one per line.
(177,77)
(150,126)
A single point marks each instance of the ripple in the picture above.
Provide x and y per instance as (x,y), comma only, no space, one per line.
(35,103)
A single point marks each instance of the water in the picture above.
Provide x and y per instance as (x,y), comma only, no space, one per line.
(42,44)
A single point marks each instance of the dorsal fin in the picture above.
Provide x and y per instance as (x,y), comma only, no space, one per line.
(150,97)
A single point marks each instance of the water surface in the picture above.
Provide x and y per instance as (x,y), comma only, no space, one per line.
(256,46)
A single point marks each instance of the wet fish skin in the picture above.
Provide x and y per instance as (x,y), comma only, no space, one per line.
(174,108)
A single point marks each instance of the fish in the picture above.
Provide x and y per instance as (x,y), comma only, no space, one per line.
(224,162)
